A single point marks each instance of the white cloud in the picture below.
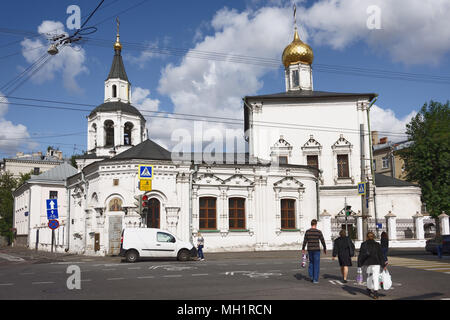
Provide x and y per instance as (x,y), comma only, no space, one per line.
(152,50)
(388,125)
(140,99)
(215,88)
(412,31)
(12,137)
(69,62)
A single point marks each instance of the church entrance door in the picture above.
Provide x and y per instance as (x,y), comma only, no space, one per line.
(153,213)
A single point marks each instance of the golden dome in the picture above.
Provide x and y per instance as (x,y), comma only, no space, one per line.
(117,45)
(297,51)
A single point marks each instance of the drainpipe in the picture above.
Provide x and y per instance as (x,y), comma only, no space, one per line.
(371,164)
(318,194)
(85,227)
(12,238)
(29,216)
(68,220)
(191,175)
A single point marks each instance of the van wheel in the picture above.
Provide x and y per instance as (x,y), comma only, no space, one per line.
(132,256)
(183,255)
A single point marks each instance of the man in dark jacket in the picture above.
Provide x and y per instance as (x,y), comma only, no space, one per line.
(370,255)
(312,238)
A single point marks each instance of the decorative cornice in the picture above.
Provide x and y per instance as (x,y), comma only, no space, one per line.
(341,143)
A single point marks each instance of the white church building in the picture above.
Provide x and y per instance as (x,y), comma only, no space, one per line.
(305,157)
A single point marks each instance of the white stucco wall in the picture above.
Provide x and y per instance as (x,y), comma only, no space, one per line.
(404,202)
(32,199)
(326,121)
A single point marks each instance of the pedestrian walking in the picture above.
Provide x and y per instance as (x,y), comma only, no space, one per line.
(312,238)
(370,255)
(439,241)
(384,244)
(344,249)
(200,245)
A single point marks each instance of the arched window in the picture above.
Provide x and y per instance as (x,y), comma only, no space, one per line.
(109,133)
(127,133)
(94,134)
(114,91)
(208,213)
(153,213)
(115,205)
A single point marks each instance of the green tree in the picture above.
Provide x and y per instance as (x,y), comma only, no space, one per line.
(7,185)
(427,159)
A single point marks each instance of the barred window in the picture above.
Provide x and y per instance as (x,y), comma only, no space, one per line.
(342,162)
(236,213)
(287,214)
(313,161)
(208,213)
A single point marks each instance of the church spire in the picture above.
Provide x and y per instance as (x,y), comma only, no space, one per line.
(117,68)
(117,85)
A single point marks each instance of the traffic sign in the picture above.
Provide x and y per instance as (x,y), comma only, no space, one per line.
(145,185)
(52,209)
(145,172)
(53,224)
(362,188)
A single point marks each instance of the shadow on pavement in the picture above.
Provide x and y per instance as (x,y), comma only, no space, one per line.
(300,276)
(423,296)
(332,277)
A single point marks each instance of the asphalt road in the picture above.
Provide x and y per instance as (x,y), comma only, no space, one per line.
(222,276)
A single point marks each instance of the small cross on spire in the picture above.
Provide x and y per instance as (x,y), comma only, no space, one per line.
(295,16)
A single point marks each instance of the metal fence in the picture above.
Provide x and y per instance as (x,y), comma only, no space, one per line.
(429,225)
(406,229)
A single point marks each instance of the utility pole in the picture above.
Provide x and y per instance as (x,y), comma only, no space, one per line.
(364,197)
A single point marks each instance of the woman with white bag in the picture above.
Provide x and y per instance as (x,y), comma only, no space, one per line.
(371,255)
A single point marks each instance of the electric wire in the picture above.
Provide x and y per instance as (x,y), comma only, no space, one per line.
(194,117)
(261,61)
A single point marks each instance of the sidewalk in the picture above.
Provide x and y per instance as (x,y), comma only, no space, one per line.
(33,256)
(46,257)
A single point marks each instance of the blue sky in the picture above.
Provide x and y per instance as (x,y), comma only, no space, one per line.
(409,41)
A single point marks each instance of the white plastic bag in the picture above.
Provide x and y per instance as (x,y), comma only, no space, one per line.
(369,282)
(304,259)
(385,280)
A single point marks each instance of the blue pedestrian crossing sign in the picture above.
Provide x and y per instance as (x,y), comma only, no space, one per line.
(52,209)
(145,172)
(362,188)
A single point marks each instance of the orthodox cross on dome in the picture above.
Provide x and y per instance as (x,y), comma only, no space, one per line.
(118,45)
(295,16)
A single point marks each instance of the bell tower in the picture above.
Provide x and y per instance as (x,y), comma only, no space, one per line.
(115,125)
(117,86)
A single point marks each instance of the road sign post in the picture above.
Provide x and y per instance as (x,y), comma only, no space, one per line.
(53,224)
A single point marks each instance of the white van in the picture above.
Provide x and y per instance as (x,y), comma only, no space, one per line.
(156,243)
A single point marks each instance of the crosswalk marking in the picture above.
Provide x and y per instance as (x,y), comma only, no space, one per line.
(436,266)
